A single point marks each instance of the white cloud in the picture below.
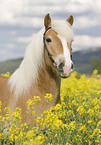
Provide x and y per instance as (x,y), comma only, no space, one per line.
(2,52)
(85,41)
(23,12)
(85,22)
(25,40)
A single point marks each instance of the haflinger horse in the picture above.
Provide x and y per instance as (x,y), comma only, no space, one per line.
(47,60)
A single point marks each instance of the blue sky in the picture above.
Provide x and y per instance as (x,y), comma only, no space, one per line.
(20,20)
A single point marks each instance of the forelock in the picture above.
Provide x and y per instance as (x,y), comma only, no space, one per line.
(64,29)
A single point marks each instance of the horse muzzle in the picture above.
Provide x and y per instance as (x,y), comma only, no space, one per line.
(64,70)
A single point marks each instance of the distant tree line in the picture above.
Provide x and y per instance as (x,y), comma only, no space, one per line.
(96,64)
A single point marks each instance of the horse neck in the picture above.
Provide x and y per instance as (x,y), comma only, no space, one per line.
(48,81)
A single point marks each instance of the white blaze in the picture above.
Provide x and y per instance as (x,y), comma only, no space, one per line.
(66,53)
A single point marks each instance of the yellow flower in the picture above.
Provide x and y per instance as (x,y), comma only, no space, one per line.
(30,102)
(11,138)
(99,124)
(95,72)
(20,135)
(38,140)
(17,115)
(48,97)
(58,107)
(82,129)
(1,136)
(24,125)
(7,116)
(90,121)
(0,104)
(30,134)
(36,99)
(12,129)
(91,112)
(72,125)
(37,119)
(6,75)
(68,143)
(3,118)
(96,132)
(57,123)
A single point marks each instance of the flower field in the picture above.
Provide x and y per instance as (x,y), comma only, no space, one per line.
(76,121)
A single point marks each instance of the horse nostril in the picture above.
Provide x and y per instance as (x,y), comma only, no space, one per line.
(72,66)
(61,67)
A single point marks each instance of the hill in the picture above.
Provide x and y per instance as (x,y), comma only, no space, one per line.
(10,65)
(81,61)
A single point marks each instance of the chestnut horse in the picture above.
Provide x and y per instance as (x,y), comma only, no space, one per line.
(47,59)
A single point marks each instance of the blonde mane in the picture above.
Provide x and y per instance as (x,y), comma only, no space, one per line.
(27,73)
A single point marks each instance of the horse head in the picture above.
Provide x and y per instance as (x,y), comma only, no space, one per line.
(58,47)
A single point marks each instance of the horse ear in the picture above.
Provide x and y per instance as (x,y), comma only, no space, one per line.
(47,21)
(70,20)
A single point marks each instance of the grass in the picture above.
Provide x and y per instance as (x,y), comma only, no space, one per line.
(76,121)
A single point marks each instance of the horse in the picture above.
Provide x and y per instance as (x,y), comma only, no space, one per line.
(47,59)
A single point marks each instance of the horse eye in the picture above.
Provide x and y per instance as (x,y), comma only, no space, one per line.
(48,40)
